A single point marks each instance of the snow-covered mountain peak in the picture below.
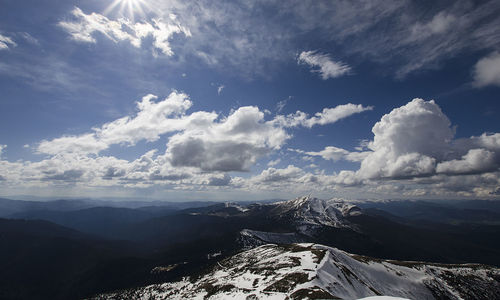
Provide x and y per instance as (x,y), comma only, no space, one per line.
(319,206)
(310,212)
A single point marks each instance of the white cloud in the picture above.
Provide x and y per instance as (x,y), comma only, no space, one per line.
(276,175)
(413,154)
(294,179)
(84,27)
(408,141)
(85,143)
(152,120)
(201,141)
(487,70)
(332,115)
(219,180)
(233,144)
(416,140)
(273,163)
(322,64)
(6,42)
(475,161)
(335,154)
(327,116)
(399,36)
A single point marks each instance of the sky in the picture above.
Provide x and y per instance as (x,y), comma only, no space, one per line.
(247,100)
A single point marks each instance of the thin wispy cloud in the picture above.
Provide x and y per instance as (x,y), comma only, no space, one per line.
(322,63)
(326,116)
(6,42)
(402,37)
(281,104)
(220,88)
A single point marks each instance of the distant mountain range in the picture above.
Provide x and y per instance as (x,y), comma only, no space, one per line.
(63,249)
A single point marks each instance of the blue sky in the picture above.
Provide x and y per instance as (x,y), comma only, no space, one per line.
(235,100)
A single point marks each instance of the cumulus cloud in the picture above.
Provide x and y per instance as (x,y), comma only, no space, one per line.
(234,144)
(85,143)
(413,153)
(487,70)
(327,116)
(475,161)
(295,179)
(407,141)
(84,26)
(322,63)
(220,180)
(201,143)
(152,120)
(6,42)
(276,175)
(417,140)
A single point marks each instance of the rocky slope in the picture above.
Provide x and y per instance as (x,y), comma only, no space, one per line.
(312,271)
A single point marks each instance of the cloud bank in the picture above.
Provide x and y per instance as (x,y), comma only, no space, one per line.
(413,153)
(201,148)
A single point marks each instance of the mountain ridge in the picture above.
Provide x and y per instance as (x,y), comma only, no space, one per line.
(313,271)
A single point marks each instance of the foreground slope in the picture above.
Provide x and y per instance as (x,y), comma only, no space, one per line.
(314,271)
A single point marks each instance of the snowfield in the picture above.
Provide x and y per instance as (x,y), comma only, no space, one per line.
(312,271)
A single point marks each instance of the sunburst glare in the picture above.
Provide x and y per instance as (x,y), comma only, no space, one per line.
(128,8)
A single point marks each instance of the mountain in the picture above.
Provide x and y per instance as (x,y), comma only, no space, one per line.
(443,212)
(110,222)
(102,249)
(10,207)
(42,260)
(342,224)
(305,214)
(308,213)
(314,271)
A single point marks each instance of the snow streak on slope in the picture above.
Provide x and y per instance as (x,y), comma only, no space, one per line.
(301,271)
(249,239)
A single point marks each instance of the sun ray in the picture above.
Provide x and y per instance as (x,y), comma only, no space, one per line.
(128,8)
(112,6)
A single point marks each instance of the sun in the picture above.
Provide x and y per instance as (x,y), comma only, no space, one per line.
(128,8)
